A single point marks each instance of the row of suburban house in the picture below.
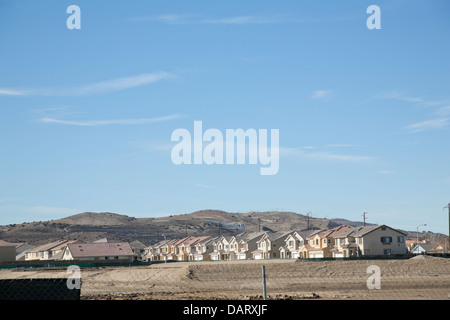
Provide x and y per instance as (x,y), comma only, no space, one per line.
(70,250)
(340,242)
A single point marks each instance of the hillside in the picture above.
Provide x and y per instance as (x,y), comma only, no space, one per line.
(90,226)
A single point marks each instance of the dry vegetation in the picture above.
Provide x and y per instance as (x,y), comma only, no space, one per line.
(417,278)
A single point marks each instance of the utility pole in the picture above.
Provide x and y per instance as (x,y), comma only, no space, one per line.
(364,218)
(259,225)
(307,220)
(448,242)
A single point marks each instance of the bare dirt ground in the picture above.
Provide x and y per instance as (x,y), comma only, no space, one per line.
(421,278)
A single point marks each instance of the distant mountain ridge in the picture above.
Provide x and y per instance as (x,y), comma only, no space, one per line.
(91,226)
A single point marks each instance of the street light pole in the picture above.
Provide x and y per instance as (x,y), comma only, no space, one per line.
(417,242)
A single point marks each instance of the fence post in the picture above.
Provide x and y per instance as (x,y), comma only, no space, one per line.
(264,282)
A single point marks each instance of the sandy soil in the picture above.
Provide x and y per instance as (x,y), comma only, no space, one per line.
(417,278)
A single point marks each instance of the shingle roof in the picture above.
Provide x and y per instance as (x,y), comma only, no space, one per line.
(80,250)
(136,244)
(361,231)
(47,246)
(335,231)
(194,240)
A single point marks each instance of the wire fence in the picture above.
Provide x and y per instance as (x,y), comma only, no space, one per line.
(421,277)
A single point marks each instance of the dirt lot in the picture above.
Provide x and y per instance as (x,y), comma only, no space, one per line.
(417,278)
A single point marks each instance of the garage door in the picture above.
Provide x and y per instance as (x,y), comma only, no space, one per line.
(339,255)
(258,256)
(318,255)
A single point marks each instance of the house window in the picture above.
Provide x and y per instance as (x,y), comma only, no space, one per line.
(387,251)
(386,240)
(329,240)
(400,239)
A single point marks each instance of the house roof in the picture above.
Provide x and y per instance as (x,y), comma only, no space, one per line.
(4,243)
(179,241)
(305,233)
(249,236)
(277,235)
(194,240)
(47,246)
(160,244)
(310,248)
(100,249)
(425,246)
(64,244)
(206,241)
(362,231)
(136,244)
(337,231)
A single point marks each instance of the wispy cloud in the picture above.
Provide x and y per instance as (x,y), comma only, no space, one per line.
(242,20)
(341,145)
(201,19)
(438,123)
(299,152)
(11,92)
(96,123)
(93,88)
(442,112)
(397,95)
(322,95)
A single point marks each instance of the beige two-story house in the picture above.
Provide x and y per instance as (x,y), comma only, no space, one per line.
(319,244)
(268,245)
(293,242)
(370,241)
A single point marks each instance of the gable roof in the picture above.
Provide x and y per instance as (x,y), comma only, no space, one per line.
(99,249)
(47,246)
(362,231)
(334,232)
(136,244)
(247,236)
(190,241)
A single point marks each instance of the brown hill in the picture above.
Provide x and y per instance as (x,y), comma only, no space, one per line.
(96,219)
(90,226)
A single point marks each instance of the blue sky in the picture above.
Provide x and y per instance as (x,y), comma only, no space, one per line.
(363,115)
